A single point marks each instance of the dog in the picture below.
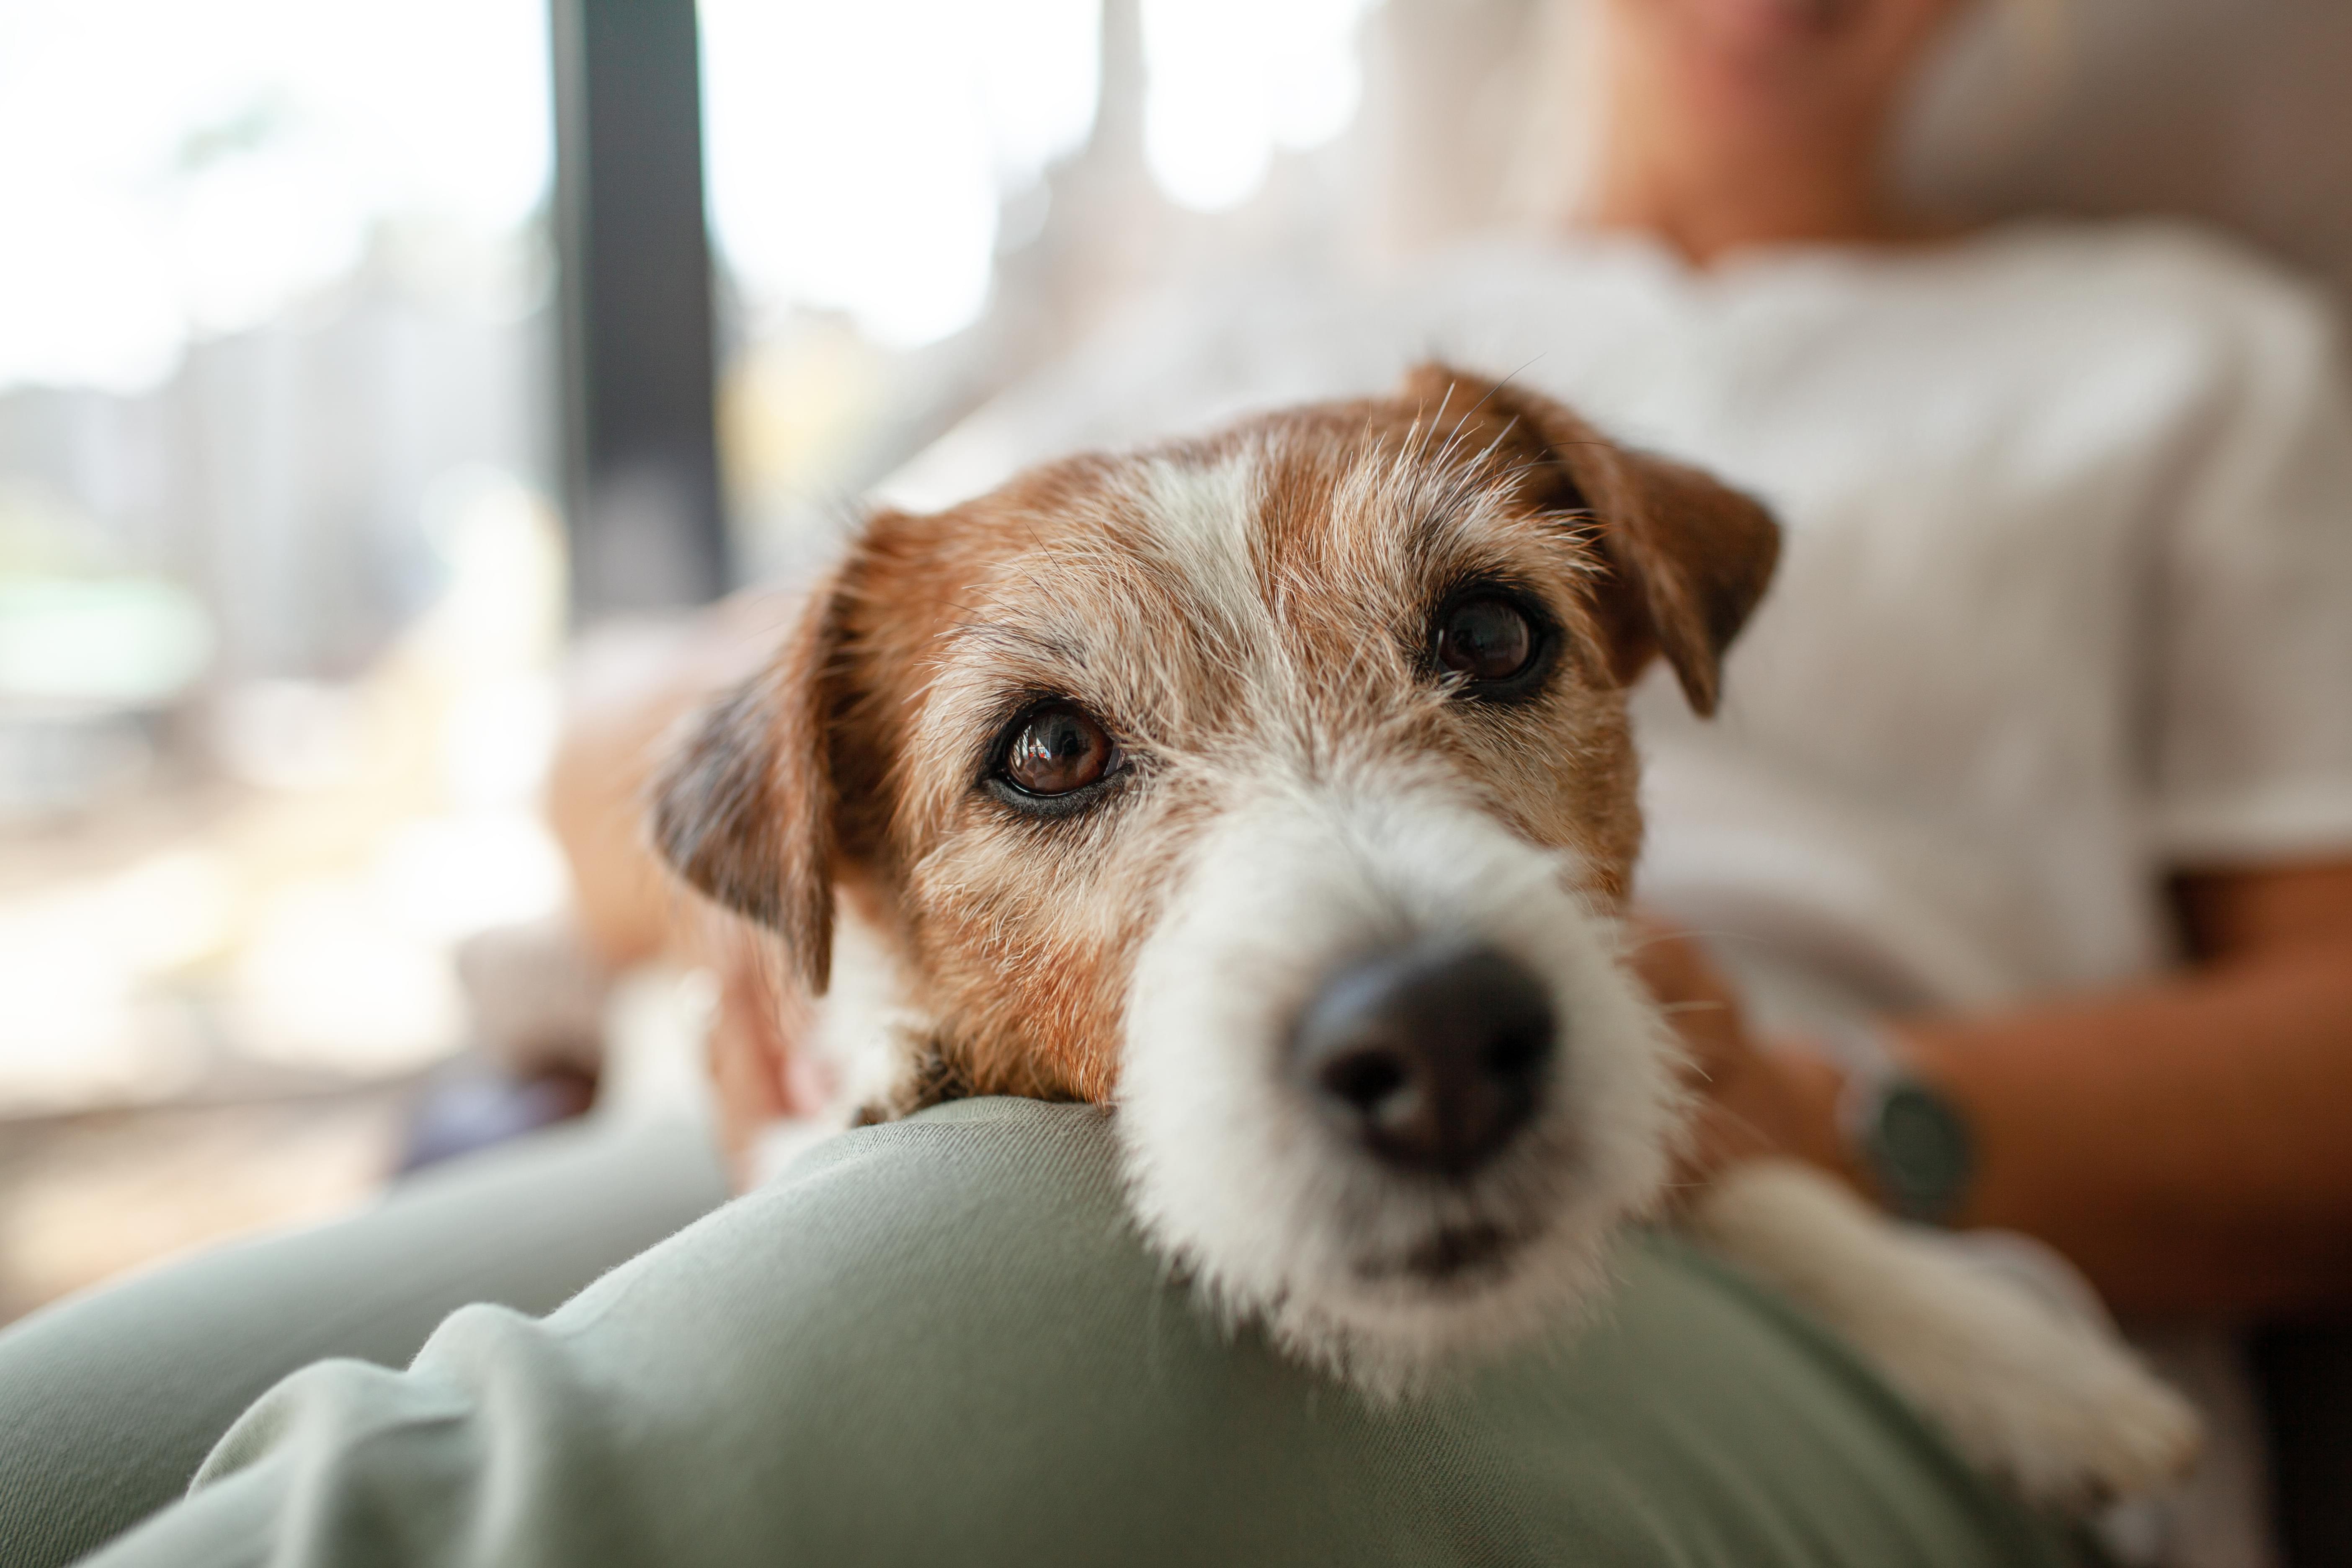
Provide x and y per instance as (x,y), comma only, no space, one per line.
(1276,788)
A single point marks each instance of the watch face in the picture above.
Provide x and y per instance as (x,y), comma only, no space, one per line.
(1921,1152)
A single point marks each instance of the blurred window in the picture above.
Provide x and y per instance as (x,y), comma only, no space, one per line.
(276,571)
(859,155)
(914,201)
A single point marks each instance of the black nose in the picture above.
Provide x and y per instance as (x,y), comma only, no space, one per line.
(1434,1055)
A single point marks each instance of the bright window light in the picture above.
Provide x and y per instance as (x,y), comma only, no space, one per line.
(170,169)
(858,153)
(1231,80)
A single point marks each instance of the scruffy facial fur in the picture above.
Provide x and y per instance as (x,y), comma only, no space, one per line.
(1296,781)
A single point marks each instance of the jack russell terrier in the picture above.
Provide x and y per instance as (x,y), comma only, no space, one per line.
(1276,788)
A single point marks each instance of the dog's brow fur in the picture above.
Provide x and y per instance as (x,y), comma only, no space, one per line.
(1015,637)
(1201,520)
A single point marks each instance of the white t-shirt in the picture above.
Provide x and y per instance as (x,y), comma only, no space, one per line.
(2066,597)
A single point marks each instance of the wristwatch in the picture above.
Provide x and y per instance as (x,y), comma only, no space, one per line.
(1913,1141)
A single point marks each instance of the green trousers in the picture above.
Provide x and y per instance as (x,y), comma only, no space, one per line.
(933,1342)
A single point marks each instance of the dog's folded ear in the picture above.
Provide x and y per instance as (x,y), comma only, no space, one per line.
(1688,556)
(745,808)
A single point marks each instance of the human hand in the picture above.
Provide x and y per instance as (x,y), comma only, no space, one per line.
(1753,1103)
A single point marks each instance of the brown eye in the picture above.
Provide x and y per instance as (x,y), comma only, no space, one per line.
(1056,750)
(1485,638)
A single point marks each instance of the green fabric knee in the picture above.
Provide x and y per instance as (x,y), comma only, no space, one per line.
(941,1340)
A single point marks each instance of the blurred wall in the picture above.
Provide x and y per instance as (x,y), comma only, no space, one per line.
(2235,111)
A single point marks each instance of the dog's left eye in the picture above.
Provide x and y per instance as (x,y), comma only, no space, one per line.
(1485,638)
(1056,750)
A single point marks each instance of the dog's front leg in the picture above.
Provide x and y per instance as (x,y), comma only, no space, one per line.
(2053,1404)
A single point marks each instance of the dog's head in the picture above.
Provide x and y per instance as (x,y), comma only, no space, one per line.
(1277,788)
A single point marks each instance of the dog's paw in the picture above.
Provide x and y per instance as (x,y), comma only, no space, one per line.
(2050,1402)
(2059,1409)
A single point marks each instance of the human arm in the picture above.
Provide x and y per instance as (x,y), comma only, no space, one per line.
(2185,1140)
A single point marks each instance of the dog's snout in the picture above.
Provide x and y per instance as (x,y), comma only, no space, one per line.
(1434,1055)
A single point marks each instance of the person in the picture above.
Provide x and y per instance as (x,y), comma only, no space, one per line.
(2033,793)
(2028,816)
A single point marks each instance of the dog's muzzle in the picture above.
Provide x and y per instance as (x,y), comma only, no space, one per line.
(1431,1056)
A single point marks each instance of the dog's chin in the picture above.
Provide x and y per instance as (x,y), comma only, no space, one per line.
(1462,1259)
(1407,1308)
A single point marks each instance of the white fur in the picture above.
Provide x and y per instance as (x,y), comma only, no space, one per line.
(864,1026)
(2053,1404)
(860,1030)
(1282,1217)
(1201,517)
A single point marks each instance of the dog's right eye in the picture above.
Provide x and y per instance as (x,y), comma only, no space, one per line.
(1485,639)
(1055,751)
(1491,642)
